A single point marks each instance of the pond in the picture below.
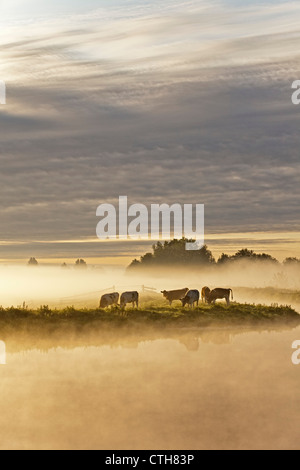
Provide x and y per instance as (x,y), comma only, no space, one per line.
(191,389)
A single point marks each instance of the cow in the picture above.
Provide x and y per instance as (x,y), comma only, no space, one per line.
(109,299)
(220,294)
(205,294)
(191,298)
(128,298)
(172,295)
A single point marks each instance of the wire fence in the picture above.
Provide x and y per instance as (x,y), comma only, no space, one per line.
(141,288)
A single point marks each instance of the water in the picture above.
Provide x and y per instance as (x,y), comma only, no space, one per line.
(188,389)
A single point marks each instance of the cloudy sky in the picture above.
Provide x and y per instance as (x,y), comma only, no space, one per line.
(180,101)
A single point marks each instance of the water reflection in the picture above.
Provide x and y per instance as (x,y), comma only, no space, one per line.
(150,389)
(55,336)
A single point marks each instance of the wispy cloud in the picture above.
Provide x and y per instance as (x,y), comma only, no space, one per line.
(173,101)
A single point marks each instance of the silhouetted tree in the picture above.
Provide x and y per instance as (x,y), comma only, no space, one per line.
(245,254)
(224,258)
(174,253)
(147,259)
(134,264)
(32,262)
(251,255)
(80,263)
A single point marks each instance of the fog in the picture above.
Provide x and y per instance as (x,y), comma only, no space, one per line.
(59,287)
(182,390)
(72,385)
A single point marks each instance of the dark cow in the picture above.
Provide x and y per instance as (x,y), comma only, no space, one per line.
(109,299)
(172,295)
(205,294)
(191,298)
(128,298)
(220,294)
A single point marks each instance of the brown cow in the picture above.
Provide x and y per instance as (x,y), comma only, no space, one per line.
(205,294)
(172,295)
(220,294)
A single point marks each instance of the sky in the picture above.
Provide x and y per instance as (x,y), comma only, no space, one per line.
(182,101)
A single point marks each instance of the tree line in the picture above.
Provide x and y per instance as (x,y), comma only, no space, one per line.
(79,263)
(174,253)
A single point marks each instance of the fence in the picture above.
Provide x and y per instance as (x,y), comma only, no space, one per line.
(98,293)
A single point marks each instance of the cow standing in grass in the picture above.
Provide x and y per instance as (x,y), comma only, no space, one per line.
(191,298)
(220,294)
(171,295)
(109,299)
(128,298)
(205,294)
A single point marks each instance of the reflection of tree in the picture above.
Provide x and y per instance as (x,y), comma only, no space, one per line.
(291,262)
(191,342)
(217,336)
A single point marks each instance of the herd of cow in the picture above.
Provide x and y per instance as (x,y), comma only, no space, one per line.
(186,296)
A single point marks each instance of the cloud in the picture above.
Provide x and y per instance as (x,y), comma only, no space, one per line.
(172,105)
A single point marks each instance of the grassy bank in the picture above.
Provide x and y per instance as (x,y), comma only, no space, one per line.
(152,312)
(45,329)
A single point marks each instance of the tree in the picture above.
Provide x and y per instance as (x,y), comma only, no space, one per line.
(251,255)
(224,258)
(32,262)
(134,264)
(80,263)
(147,259)
(174,253)
(245,254)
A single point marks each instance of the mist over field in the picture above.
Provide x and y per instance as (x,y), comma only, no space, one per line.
(179,385)
(174,102)
(58,287)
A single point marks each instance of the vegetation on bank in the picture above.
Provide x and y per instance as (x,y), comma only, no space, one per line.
(153,312)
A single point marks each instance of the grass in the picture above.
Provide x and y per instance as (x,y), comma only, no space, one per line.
(153,312)
(45,328)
